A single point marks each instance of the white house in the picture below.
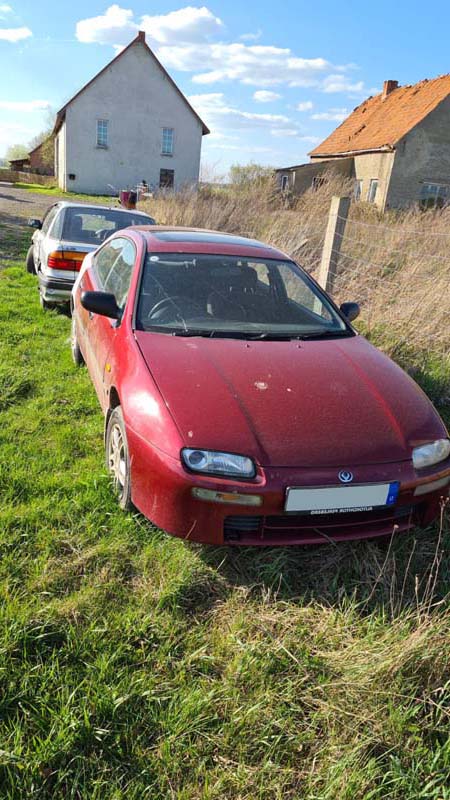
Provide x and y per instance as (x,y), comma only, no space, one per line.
(130,123)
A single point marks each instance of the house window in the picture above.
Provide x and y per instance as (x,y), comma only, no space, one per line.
(317,182)
(373,187)
(357,190)
(166,178)
(102,133)
(284,182)
(434,195)
(167,142)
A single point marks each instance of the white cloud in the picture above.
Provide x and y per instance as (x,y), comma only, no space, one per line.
(185,25)
(285,132)
(306,106)
(339,83)
(116,26)
(216,112)
(251,65)
(186,40)
(4,9)
(335,114)
(244,148)
(14,34)
(263,96)
(251,37)
(24,105)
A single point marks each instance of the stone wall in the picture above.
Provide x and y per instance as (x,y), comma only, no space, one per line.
(422,156)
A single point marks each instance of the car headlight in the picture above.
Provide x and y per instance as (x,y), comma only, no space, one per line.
(217,463)
(428,454)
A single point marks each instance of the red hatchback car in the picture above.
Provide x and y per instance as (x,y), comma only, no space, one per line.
(240,405)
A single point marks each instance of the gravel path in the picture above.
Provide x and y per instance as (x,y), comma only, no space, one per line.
(20,204)
(16,206)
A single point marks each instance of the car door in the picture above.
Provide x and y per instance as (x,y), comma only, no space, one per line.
(113,268)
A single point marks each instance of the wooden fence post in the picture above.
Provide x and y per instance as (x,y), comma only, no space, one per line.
(337,219)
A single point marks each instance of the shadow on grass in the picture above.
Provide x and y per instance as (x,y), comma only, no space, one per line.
(393,573)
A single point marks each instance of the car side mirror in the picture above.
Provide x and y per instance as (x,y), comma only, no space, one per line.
(350,310)
(34,223)
(102,303)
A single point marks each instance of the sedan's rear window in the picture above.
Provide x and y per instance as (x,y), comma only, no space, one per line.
(92,226)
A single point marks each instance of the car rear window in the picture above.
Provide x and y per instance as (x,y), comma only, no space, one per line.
(205,237)
(93,226)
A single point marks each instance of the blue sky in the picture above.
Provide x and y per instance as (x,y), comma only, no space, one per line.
(270,79)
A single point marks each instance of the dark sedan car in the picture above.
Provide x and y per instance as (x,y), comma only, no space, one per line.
(240,404)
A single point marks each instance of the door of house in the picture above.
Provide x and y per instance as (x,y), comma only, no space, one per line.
(166,178)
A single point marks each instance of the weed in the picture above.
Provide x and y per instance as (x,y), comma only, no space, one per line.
(133,665)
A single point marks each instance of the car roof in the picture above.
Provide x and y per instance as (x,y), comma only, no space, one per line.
(166,238)
(68,204)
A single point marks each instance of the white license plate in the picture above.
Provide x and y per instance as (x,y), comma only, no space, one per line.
(341,499)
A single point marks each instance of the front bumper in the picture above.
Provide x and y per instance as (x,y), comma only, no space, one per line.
(162,491)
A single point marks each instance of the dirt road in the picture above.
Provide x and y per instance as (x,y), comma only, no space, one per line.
(16,206)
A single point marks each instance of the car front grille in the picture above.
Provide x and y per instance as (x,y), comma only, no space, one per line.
(315,529)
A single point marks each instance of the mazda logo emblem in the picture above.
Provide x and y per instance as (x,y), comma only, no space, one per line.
(345,476)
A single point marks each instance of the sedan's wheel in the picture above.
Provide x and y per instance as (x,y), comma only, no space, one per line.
(77,355)
(31,266)
(117,458)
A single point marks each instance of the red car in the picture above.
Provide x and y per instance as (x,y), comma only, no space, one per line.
(240,405)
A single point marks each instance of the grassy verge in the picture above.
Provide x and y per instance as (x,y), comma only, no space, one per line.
(55,191)
(135,666)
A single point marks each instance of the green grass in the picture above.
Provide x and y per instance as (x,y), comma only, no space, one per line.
(135,666)
(37,188)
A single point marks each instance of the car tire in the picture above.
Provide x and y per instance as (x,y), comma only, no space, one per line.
(31,266)
(77,355)
(117,458)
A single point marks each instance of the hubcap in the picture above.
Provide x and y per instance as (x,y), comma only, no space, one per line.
(116,459)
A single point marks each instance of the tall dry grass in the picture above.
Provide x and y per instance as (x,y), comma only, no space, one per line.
(397,265)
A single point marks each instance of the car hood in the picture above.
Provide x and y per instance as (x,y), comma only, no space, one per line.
(319,403)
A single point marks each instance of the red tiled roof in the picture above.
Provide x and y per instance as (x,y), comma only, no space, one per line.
(378,124)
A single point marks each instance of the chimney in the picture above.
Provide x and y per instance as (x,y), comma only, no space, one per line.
(141,36)
(388,87)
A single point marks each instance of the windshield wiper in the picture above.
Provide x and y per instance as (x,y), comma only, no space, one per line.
(189,332)
(326,335)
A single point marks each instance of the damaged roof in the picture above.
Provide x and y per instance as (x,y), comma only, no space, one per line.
(381,121)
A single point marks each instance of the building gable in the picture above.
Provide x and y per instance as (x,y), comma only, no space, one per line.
(118,61)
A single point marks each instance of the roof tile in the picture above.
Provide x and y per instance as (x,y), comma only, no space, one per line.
(379,124)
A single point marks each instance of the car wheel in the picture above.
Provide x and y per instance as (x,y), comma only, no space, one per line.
(77,355)
(117,458)
(31,266)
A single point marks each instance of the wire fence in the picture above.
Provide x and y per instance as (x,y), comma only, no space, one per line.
(399,273)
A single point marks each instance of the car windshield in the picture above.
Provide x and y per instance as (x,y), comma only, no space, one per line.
(221,295)
(93,226)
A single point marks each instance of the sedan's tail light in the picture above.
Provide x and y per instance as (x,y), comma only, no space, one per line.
(66,260)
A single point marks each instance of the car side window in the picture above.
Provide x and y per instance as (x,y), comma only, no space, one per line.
(49,217)
(114,266)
